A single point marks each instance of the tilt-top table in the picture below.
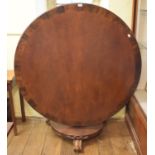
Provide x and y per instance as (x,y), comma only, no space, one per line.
(77,65)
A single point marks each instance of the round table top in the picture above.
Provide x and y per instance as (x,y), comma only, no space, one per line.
(77,64)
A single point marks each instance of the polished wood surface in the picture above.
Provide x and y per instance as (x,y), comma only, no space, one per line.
(77,64)
(76,132)
(37,138)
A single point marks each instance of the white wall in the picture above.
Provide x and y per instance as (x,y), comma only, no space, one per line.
(123,9)
(141,36)
(20,14)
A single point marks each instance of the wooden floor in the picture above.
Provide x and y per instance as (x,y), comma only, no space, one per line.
(36,138)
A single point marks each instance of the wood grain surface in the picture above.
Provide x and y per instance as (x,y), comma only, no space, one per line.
(77,64)
(31,140)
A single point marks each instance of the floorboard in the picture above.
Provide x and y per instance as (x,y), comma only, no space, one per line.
(35,137)
(36,141)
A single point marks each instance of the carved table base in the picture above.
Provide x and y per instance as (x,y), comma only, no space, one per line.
(77,134)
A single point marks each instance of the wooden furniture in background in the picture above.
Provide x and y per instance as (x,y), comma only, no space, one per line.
(136,113)
(137,123)
(10,78)
(134,15)
(9,127)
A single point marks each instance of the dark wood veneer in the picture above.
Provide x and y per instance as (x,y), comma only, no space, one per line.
(77,65)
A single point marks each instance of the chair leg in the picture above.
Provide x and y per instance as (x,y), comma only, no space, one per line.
(22,107)
(12,110)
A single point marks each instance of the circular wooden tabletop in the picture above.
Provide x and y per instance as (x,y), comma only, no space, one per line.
(77,64)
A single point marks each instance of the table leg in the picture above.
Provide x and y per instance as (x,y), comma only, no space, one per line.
(22,107)
(12,110)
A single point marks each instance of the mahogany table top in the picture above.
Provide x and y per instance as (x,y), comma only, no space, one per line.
(77,64)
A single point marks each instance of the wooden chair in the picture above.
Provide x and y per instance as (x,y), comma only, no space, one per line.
(10,79)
